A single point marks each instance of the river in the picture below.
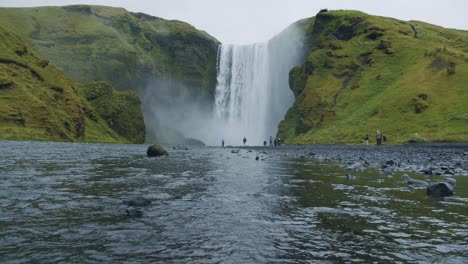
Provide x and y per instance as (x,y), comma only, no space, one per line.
(62,203)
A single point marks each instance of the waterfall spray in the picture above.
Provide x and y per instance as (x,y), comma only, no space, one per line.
(252,93)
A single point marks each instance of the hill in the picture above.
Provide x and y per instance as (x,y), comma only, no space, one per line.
(365,73)
(39,102)
(128,50)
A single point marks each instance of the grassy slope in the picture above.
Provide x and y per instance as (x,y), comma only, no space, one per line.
(95,43)
(38,102)
(366,73)
(121,110)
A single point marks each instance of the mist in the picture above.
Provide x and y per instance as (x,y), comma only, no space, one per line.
(174,112)
(252,96)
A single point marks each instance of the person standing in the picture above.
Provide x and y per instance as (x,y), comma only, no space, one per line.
(367,139)
(378,137)
(222,143)
(244,140)
(271,141)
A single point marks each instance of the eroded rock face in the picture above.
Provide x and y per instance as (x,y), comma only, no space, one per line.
(156,151)
(440,189)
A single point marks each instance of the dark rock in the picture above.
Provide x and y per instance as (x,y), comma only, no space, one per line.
(257,158)
(156,151)
(138,201)
(451,181)
(390,162)
(235,151)
(440,189)
(134,213)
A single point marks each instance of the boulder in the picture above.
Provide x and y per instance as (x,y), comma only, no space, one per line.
(440,189)
(156,151)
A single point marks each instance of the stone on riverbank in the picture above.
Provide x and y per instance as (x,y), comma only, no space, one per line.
(440,189)
(414,183)
(156,151)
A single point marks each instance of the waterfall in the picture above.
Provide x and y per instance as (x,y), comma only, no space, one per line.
(252,93)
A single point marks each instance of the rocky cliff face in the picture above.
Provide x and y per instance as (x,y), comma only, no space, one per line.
(366,73)
(39,102)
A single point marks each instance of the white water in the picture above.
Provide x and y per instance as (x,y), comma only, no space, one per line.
(252,92)
(251,97)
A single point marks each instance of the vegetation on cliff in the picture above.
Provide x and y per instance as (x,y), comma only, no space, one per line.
(366,73)
(97,43)
(39,102)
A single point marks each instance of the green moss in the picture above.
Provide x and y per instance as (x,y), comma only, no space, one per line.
(96,43)
(367,73)
(39,102)
(120,110)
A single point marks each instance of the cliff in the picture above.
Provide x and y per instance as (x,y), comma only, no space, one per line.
(365,73)
(98,43)
(39,102)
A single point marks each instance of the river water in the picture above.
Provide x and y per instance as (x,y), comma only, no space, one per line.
(62,202)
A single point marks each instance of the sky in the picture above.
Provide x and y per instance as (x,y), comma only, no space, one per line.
(250,21)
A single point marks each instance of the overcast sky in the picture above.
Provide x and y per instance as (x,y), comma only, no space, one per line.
(248,21)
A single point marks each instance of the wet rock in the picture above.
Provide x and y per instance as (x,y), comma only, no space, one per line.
(134,213)
(356,167)
(235,151)
(138,201)
(156,151)
(413,182)
(451,181)
(440,189)
(257,158)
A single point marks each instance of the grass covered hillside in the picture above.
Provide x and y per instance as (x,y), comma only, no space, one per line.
(97,43)
(39,102)
(366,73)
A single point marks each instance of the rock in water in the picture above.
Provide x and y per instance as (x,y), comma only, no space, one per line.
(156,151)
(138,201)
(134,213)
(440,189)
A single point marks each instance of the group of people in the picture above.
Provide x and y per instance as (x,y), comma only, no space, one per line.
(379,137)
(273,142)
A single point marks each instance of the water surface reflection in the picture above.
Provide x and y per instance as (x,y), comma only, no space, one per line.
(62,202)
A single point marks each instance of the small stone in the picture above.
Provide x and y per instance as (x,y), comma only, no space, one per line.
(440,189)
(134,213)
